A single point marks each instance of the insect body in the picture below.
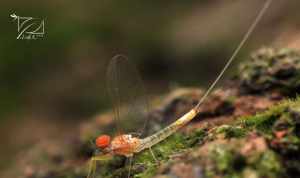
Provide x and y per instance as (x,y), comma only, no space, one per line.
(124,145)
(127,145)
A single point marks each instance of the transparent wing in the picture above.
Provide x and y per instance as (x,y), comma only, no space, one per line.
(128,96)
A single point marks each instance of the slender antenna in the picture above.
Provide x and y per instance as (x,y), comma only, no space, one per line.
(241,44)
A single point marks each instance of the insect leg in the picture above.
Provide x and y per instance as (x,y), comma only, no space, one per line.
(130,166)
(156,160)
(92,168)
(93,164)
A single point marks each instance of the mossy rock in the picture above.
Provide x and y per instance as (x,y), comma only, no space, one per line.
(270,68)
(253,146)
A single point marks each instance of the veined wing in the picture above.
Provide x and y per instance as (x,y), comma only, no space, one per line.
(128,96)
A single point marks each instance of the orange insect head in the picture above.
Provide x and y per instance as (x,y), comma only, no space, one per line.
(103,141)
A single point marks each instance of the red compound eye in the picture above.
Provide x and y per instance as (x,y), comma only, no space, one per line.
(103,141)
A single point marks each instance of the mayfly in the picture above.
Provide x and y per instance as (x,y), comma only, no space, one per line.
(128,145)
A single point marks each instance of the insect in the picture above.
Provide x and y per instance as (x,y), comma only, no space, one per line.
(127,144)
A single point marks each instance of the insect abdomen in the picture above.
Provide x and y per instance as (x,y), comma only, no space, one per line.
(166,132)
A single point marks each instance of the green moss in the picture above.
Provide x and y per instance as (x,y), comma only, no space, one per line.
(264,121)
(163,150)
(196,137)
(231,131)
(231,99)
(228,162)
(223,158)
(149,172)
(283,116)
(269,165)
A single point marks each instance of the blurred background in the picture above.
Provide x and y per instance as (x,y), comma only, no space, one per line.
(49,85)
